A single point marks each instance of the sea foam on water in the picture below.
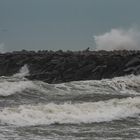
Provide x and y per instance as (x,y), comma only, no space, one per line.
(88,112)
(70,113)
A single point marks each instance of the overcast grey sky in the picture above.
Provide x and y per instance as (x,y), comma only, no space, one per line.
(62,24)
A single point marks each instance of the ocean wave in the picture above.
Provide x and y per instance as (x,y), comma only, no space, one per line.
(119,85)
(16,83)
(128,85)
(12,87)
(46,114)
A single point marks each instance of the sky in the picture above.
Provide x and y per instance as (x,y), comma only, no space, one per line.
(62,24)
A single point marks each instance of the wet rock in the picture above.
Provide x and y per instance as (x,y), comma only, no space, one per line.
(59,66)
(135,61)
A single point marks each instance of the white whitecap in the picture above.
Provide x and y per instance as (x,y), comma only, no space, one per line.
(118,85)
(41,114)
(128,85)
(12,87)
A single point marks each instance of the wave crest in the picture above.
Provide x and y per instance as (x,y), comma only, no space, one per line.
(101,111)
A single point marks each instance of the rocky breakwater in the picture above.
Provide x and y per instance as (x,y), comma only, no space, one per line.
(59,66)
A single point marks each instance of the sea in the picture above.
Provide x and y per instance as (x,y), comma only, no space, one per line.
(107,109)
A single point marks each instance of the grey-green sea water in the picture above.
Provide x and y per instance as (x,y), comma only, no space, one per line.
(107,109)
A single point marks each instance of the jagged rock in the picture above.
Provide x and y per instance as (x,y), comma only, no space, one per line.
(135,61)
(133,70)
(59,66)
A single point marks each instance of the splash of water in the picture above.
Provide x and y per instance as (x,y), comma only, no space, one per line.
(24,71)
(118,39)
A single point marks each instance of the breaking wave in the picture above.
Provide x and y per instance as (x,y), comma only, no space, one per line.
(119,85)
(102,111)
(15,84)
(12,87)
(62,112)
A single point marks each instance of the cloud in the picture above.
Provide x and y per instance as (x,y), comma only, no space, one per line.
(118,39)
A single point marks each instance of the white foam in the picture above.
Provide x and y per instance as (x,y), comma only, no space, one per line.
(101,111)
(12,87)
(126,84)
(120,85)
(24,71)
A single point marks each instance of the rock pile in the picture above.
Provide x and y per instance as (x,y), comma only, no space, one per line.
(59,66)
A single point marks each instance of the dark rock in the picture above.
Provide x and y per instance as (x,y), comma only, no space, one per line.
(135,61)
(59,66)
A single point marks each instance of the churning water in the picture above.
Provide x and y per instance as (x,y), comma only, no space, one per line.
(82,110)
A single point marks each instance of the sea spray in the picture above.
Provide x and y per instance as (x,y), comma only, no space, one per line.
(16,83)
(24,71)
(118,39)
